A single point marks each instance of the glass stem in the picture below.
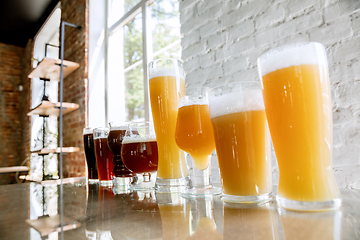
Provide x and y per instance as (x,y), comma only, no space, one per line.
(201,178)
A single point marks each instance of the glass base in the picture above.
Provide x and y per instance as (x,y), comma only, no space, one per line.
(201,192)
(247,199)
(93,181)
(124,181)
(106,182)
(143,186)
(172,185)
(308,206)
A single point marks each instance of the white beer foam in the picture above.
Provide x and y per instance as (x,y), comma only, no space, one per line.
(138,138)
(291,55)
(186,101)
(88,131)
(251,100)
(118,128)
(166,72)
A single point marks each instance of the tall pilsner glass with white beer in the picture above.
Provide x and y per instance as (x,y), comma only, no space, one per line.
(297,98)
(167,86)
(242,142)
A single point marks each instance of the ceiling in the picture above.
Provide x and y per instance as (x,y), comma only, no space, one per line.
(20,20)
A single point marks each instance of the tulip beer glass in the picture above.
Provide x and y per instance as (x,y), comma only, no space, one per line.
(122,175)
(242,142)
(297,98)
(167,86)
(140,154)
(194,134)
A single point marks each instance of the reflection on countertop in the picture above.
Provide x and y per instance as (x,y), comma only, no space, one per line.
(115,213)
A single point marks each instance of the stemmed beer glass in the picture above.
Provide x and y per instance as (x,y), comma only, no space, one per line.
(194,135)
(122,175)
(139,153)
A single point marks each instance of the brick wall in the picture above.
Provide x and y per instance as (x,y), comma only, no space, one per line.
(75,49)
(13,148)
(222,40)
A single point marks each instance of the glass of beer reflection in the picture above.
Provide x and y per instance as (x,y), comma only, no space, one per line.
(167,86)
(103,156)
(297,98)
(122,175)
(242,142)
(139,153)
(90,155)
(194,135)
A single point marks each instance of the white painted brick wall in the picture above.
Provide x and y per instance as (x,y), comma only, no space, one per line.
(223,38)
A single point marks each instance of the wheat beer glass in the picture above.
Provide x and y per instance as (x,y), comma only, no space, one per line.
(140,154)
(297,98)
(103,156)
(194,135)
(242,142)
(167,86)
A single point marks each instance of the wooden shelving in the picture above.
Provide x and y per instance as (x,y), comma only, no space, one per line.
(50,69)
(46,108)
(45,151)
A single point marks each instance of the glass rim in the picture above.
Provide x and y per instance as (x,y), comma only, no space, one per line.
(287,46)
(165,59)
(232,83)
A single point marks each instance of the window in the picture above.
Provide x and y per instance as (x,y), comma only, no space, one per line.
(134,33)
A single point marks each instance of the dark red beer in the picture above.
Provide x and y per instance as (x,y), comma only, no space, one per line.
(114,141)
(104,159)
(90,155)
(140,157)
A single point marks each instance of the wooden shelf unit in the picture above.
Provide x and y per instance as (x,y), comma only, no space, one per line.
(46,151)
(49,68)
(46,108)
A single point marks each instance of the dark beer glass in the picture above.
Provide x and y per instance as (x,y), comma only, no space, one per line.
(139,153)
(103,156)
(122,175)
(90,155)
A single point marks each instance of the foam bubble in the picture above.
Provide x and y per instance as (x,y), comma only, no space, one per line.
(291,55)
(250,100)
(138,138)
(166,72)
(87,131)
(118,128)
(186,101)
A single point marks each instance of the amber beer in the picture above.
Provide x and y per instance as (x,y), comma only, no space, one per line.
(194,133)
(295,84)
(167,86)
(140,155)
(242,142)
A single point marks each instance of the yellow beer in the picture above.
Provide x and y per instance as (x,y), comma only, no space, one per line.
(298,108)
(243,150)
(242,142)
(164,98)
(194,133)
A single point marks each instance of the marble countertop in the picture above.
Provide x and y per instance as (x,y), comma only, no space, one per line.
(33,211)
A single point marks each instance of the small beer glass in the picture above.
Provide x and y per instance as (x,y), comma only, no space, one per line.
(103,156)
(242,142)
(194,135)
(89,150)
(139,153)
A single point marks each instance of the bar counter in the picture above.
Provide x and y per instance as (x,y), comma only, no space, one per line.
(33,211)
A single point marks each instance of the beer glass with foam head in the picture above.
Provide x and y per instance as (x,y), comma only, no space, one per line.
(194,135)
(89,150)
(167,86)
(103,156)
(297,98)
(122,175)
(242,142)
(139,153)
